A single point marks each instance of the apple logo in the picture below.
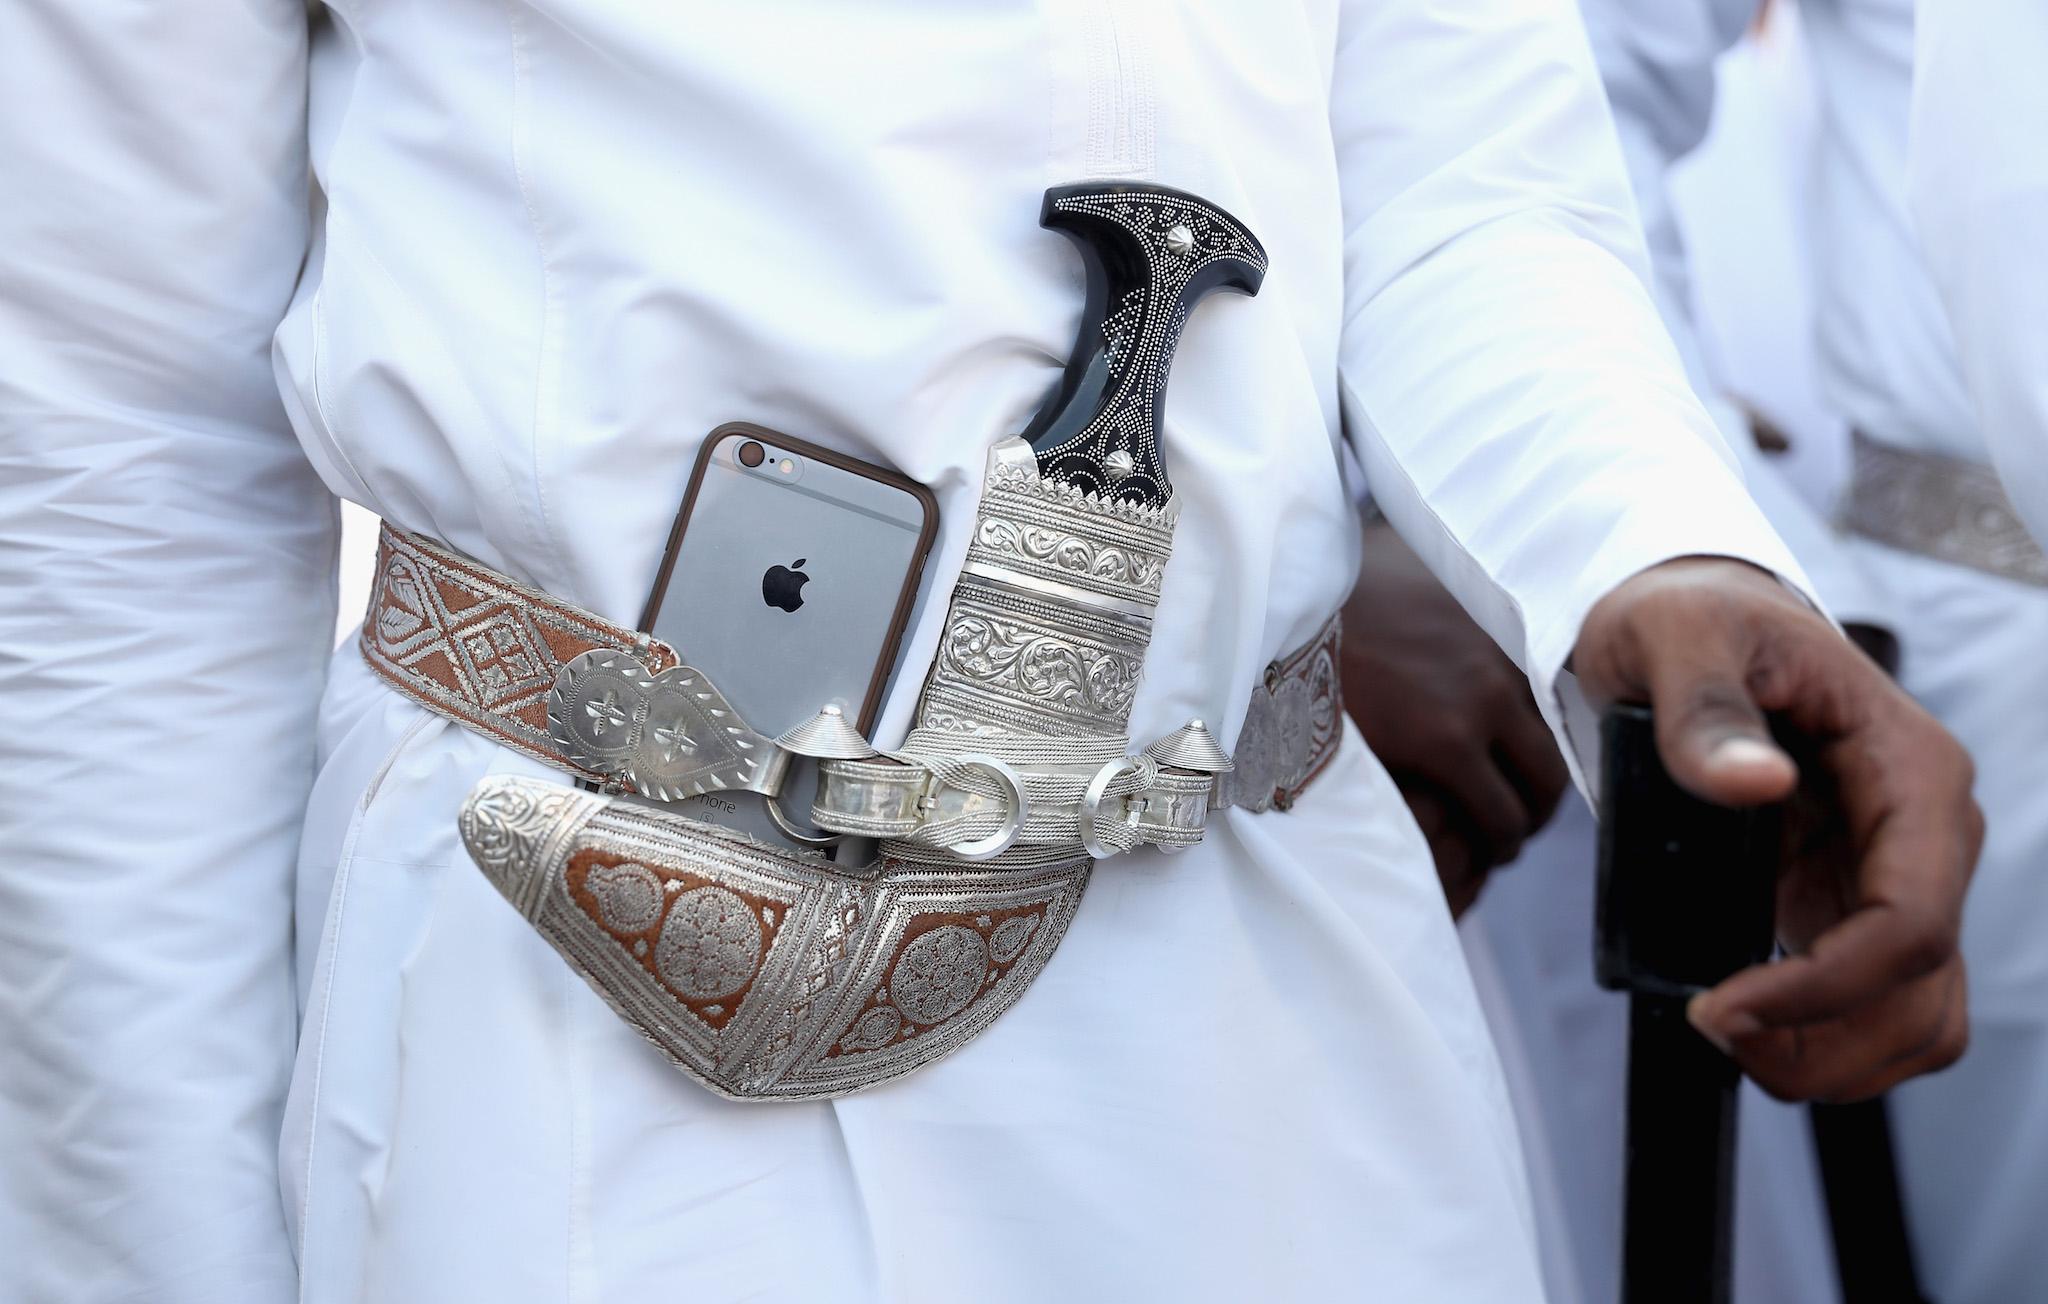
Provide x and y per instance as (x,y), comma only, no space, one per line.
(783,586)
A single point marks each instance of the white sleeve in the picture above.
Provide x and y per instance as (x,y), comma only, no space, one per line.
(1979,179)
(1846,590)
(1657,61)
(169,607)
(1519,408)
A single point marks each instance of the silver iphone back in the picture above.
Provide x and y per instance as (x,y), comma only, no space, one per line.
(788,580)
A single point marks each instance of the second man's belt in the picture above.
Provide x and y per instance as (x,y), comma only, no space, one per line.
(597,700)
(1945,508)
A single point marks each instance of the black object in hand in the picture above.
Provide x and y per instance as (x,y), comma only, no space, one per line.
(1686,898)
(1686,888)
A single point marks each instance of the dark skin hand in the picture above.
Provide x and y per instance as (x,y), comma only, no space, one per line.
(1885,833)
(1448,714)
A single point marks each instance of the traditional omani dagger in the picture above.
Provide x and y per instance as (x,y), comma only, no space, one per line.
(1049,623)
(766,974)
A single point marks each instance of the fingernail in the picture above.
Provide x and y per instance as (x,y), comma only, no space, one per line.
(1720,1027)
(1696,1014)
(1745,752)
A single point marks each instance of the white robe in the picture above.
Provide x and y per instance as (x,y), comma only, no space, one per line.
(1721,213)
(555,241)
(1979,189)
(1979,183)
(1973,1141)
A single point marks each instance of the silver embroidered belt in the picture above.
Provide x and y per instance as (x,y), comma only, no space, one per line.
(496,656)
(1946,508)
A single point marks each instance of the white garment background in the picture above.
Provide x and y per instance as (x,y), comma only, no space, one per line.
(1743,203)
(1980,194)
(555,242)
(358,564)
(1973,1140)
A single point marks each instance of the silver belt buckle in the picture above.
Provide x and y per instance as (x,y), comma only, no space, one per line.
(666,736)
(1017,804)
(1091,811)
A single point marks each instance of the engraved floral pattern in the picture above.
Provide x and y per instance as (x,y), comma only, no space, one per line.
(873,1030)
(939,973)
(1072,675)
(1291,727)
(1007,942)
(710,944)
(1023,541)
(628,896)
(504,827)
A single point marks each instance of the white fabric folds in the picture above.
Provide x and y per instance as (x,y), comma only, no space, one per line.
(272,1036)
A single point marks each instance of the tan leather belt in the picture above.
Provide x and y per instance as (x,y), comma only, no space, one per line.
(1945,508)
(485,651)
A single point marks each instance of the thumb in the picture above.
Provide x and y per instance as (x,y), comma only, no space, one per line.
(1710,731)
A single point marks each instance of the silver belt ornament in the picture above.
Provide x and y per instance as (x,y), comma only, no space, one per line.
(1945,508)
(766,973)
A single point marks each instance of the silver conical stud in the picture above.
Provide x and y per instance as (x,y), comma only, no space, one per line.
(1180,241)
(826,736)
(1192,747)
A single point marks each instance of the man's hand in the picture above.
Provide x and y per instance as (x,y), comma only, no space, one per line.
(1448,714)
(1886,833)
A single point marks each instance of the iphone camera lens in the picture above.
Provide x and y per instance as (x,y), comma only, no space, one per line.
(752,454)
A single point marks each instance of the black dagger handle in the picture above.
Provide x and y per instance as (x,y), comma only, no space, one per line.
(1152,253)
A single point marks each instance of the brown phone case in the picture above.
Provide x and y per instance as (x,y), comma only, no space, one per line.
(906,600)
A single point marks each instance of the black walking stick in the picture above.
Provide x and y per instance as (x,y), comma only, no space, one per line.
(1859,1173)
(1686,898)
(1866,1211)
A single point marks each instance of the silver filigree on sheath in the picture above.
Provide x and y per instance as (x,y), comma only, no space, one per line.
(765,974)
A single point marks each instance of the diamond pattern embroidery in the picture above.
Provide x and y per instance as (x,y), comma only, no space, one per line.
(474,646)
(502,660)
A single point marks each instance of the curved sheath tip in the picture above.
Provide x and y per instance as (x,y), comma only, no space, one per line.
(507,824)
